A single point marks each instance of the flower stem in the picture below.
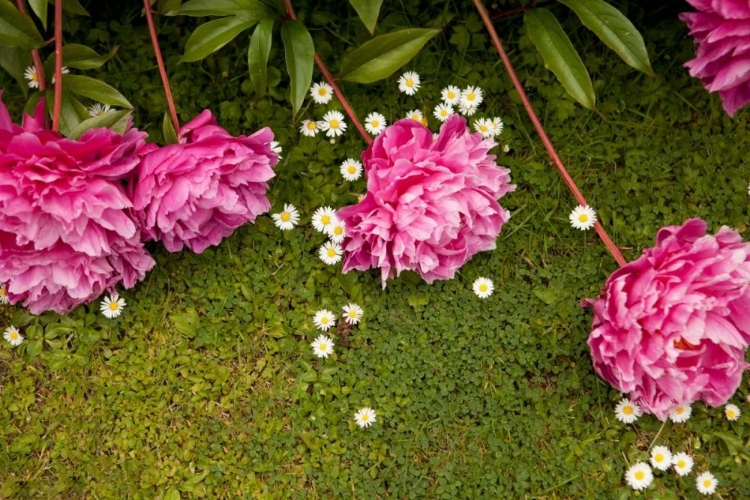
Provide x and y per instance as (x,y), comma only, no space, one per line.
(58,66)
(160,63)
(657,435)
(332,82)
(542,133)
(34,53)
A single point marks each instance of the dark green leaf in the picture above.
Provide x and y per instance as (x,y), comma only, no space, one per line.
(15,60)
(94,89)
(299,52)
(73,6)
(69,116)
(40,8)
(248,10)
(166,6)
(368,11)
(615,30)
(168,130)
(104,120)
(79,57)
(31,104)
(172,494)
(383,55)
(213,35)
(559,55)
(257,55)
(16,29)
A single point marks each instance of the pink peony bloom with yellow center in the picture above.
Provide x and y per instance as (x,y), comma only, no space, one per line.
(199,191)
(431,204)
(672,327)
(721,30)
(66,235)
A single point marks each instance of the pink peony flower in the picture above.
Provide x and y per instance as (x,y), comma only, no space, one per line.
(430,204)
(722,32)
(65,234)
(672,326)
(199,191)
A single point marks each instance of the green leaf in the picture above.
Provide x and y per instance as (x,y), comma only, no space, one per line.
(79,57)
(167,129)
(73,6)
(94,89)
(69,116)
(257,55)
(299,52)
(15,60)
(368,11)
(166,6)
(213,35)
(172,494)
(383,55)
(559,55)
(104,120)
(248,10)
(16,29)
(615,30)
(40,8)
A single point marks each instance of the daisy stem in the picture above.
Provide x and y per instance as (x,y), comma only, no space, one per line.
(542,133)
(58,66)
(332,82)
(34,53)
(160,63)
(657,435)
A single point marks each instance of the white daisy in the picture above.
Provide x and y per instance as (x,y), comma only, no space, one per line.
(442,111)
(309,128)
(365,417)
(98,109)
(627,412)
(336,232)
(65,71)
(324,319)
(471,97)
(706,483)
(323,346)
(4,295)
(112,306)
(333,124)
(276,148)
(683,463)
(497,126)
(451,95)
(352,314)
(661,457)
(483,288)
(582,218)
(330,253)
(484,127)
(409,83)
(287,219)
(639,476)
(323,218)
(13,336)
(322,93)
(31,75)
(681,413)
(351,169)
(732,412)
(466,109)
(415,115)
(375,123)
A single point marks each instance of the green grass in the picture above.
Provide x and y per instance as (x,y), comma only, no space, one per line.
(207,386)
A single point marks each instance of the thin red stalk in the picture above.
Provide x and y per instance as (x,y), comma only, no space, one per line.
(58,66)
(542,133)
(497,15)
(34,53)
(332,82)
(160,63)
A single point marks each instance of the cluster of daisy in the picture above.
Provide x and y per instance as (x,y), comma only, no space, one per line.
(33,77)
(639,476)
(333,123)
(324,220)
(323,347)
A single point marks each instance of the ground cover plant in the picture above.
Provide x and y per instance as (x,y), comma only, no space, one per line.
(206,386)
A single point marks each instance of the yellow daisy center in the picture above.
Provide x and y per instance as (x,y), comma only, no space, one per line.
(324,320)
(483,128)
(338,231)
(351,169)
(352,314)
(334,123)
(3,292)
(627,410)
(326,219)
(583,218)
(113,306)
(409,82)
(424,121)
(322,91)
(443,112)
(451,95)
(415,117)
(323,347)
(13,335)
(375,123)
(34,77)
(470,96)
(659,457)
(730,413)
(706,483)
(365,417)
(285,216)
(679,410)
(311,125)
(639,475)
(482,287)
(681,464)
(331,252)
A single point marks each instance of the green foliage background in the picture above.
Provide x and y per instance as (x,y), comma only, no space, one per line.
(206,386)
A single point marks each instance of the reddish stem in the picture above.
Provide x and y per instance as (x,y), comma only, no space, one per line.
(58,66)
(34,53)
(332,82)
(160,63)
(542,133)
(497,15)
